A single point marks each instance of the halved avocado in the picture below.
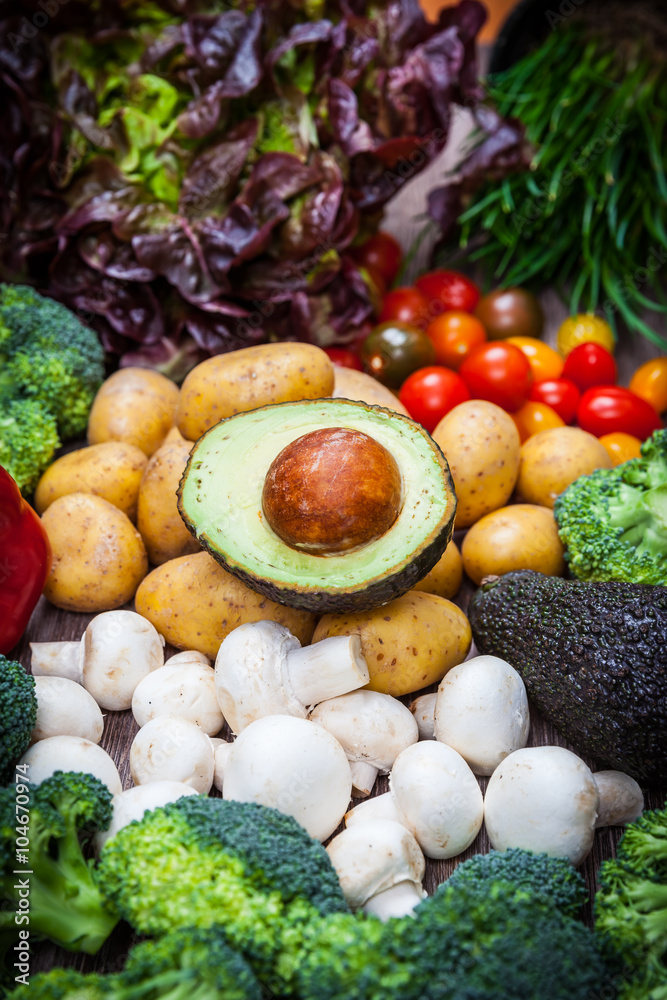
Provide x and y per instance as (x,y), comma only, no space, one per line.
(221,502)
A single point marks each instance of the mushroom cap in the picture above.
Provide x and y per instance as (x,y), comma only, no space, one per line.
(482,712)
(438,798)
(371,727)
(294,766)
(379,807)
(119,649)
(543,799)
(189,656)
(183,690)
(134,802)
(251,680)
(70,753)
(64,708)
(169,748)
(374,856)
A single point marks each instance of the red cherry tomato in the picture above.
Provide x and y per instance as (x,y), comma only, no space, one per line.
(498,372)
(590,364)
(381,254)
(429,393)
(446,290)
(608,408)
(560,394)
(343,357)
(405,305)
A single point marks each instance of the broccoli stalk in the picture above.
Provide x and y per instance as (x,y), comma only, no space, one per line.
(18,714)
(66,904)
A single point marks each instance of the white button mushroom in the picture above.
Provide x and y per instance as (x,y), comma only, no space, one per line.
(542,799)
(482,712)
(221,751)
(372,728)
(379,807)
(70,753)
(185,690)
(119,649)
(173,749)
(261,669)
(294,766)
(57,659)
(621,798)
(131,805)
(380,867)
(423,709)
(64,708)
(189,656)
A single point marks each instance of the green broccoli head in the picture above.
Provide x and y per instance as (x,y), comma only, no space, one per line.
(28,440)
(62,984)
(613,522)
(50,356)
(18,714)
(63,812)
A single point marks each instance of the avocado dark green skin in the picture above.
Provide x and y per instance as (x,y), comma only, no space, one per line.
(593,657)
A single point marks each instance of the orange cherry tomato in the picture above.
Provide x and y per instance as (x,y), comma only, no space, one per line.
(531,418)
(454,335)
(545,363)
(650,382)
(621,447)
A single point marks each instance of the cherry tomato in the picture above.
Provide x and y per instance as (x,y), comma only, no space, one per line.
(510,312)
(531,418)
(499,373)
(621,447)
(447,290)
(560,394)
(392,351)
(650,382)
(381,254)
(584,329)
(429,393)
(455,334)
(605,409)
(405,305)
(590,364)
(544,361)
(343,357)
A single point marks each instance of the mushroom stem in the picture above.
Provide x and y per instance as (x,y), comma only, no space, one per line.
(621,798)
(326,669)
(423,709)
(58,659)
(397,901)
(363,778)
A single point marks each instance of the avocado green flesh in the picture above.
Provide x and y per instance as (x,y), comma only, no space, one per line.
(221,503)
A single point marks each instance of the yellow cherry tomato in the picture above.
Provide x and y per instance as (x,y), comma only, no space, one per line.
(545,363)
(621,447)
(531,418)
(650,382)
(585,328)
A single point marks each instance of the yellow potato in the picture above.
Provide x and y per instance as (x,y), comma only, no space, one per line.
(194,603)
(481,443)
(351,384)
(553,459)
(521,536)
(158,520)
(111,470)
(99,558)
(409,643)
(136,405)
(254,376)
(446,577)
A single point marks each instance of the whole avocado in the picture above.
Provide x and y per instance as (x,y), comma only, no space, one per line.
(593,657)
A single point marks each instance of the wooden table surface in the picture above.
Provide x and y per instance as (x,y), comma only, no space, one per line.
(405,218)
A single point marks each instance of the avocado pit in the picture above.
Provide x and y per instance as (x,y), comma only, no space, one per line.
(331,491)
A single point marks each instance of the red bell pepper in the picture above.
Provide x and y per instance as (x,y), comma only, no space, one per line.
(25,561)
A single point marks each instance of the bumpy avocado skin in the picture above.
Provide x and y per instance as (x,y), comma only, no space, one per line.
(593,657)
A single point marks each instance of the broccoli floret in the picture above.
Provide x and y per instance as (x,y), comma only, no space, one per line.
(28,440)
(63,812)
(553,880)
(631,905)
(199,861)
(613,522)
(63,984)
(50,356)
(18,713)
